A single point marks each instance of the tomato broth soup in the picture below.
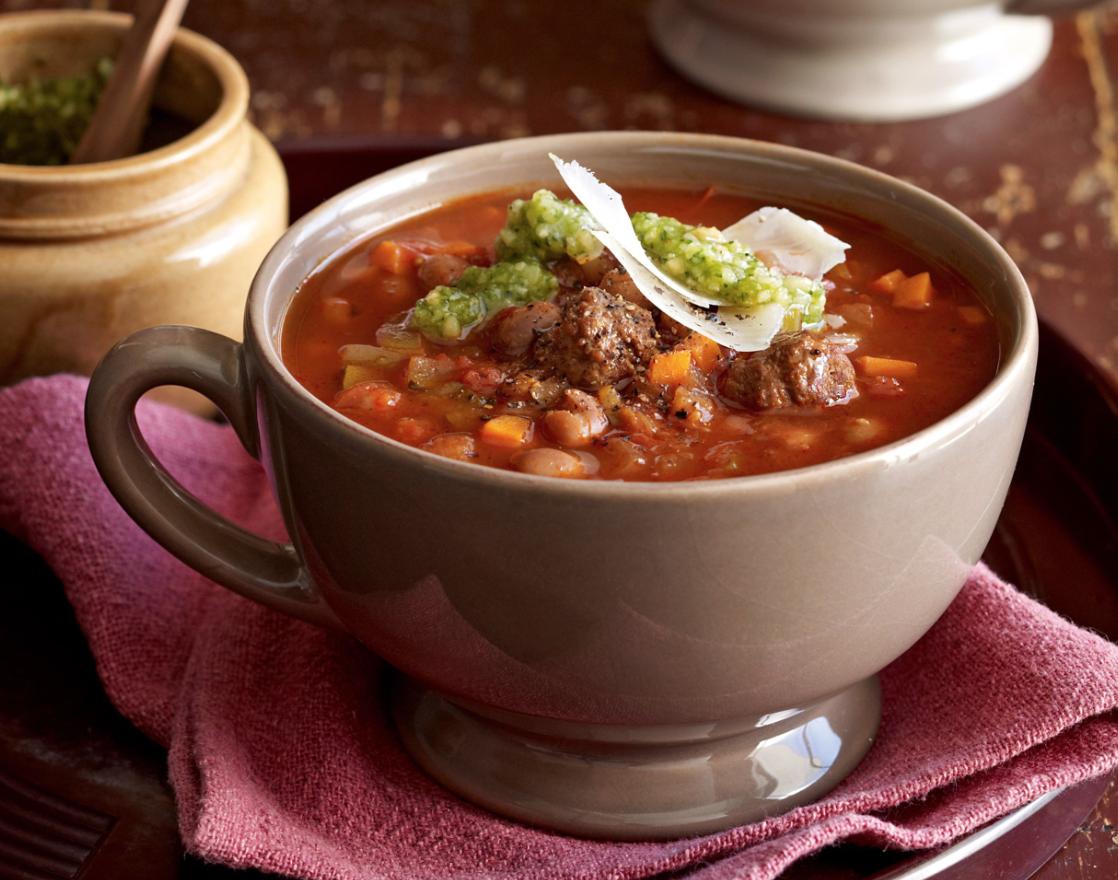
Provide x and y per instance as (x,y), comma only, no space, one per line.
(589,380)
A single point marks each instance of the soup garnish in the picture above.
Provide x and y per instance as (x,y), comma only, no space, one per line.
(526,336)
(42,121)
(685,271)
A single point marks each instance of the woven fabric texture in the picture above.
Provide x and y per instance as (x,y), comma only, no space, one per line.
(282,756)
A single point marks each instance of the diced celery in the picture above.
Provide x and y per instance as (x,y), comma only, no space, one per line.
(369,354)
(355,374)
(399,338)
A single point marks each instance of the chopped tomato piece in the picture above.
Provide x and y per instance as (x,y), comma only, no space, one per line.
(415,431)
(483,380)
(368,396)
(457,446)
(885,386)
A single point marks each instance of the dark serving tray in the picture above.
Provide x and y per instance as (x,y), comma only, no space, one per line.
(83,794)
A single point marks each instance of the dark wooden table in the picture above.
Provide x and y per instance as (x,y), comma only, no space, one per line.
(1038,168)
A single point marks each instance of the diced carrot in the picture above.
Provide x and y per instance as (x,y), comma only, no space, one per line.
(457,249)
(914,293)
(885,386)
(507,431)
(393,257)
(888,282)
(892,367)
(704,352)
(670,368)
(972,314)
(842,272)
(483,380)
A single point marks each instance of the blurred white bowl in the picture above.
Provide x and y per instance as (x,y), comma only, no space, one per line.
(871,60)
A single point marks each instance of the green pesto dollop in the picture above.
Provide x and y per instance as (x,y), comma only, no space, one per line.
(700,259)
(41,121)
(451,312)
(545,228)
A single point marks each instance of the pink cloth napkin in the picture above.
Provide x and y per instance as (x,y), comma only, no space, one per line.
(282,758)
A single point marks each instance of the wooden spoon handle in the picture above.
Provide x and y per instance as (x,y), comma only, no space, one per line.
(118,122)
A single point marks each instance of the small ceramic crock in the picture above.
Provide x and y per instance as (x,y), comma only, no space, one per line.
(629,660)
(89,253)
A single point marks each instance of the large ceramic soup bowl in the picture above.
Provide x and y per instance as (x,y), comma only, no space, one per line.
(607,658)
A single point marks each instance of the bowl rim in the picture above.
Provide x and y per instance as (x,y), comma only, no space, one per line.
(1017,366)
(229,113)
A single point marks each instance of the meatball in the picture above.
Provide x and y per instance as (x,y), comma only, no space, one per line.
(600,340)
(620,282)
(440,270)
(572,274)
(802,369)
(517,328)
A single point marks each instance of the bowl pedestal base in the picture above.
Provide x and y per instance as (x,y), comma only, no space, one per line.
(632,782)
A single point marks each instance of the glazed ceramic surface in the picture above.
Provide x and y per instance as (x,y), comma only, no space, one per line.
(621,659)
(91,253)
(874,60)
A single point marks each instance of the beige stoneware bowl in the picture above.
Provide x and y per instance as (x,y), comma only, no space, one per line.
(89,253)
(629,660)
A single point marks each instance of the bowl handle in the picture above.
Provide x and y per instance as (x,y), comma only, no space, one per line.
(213,365)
